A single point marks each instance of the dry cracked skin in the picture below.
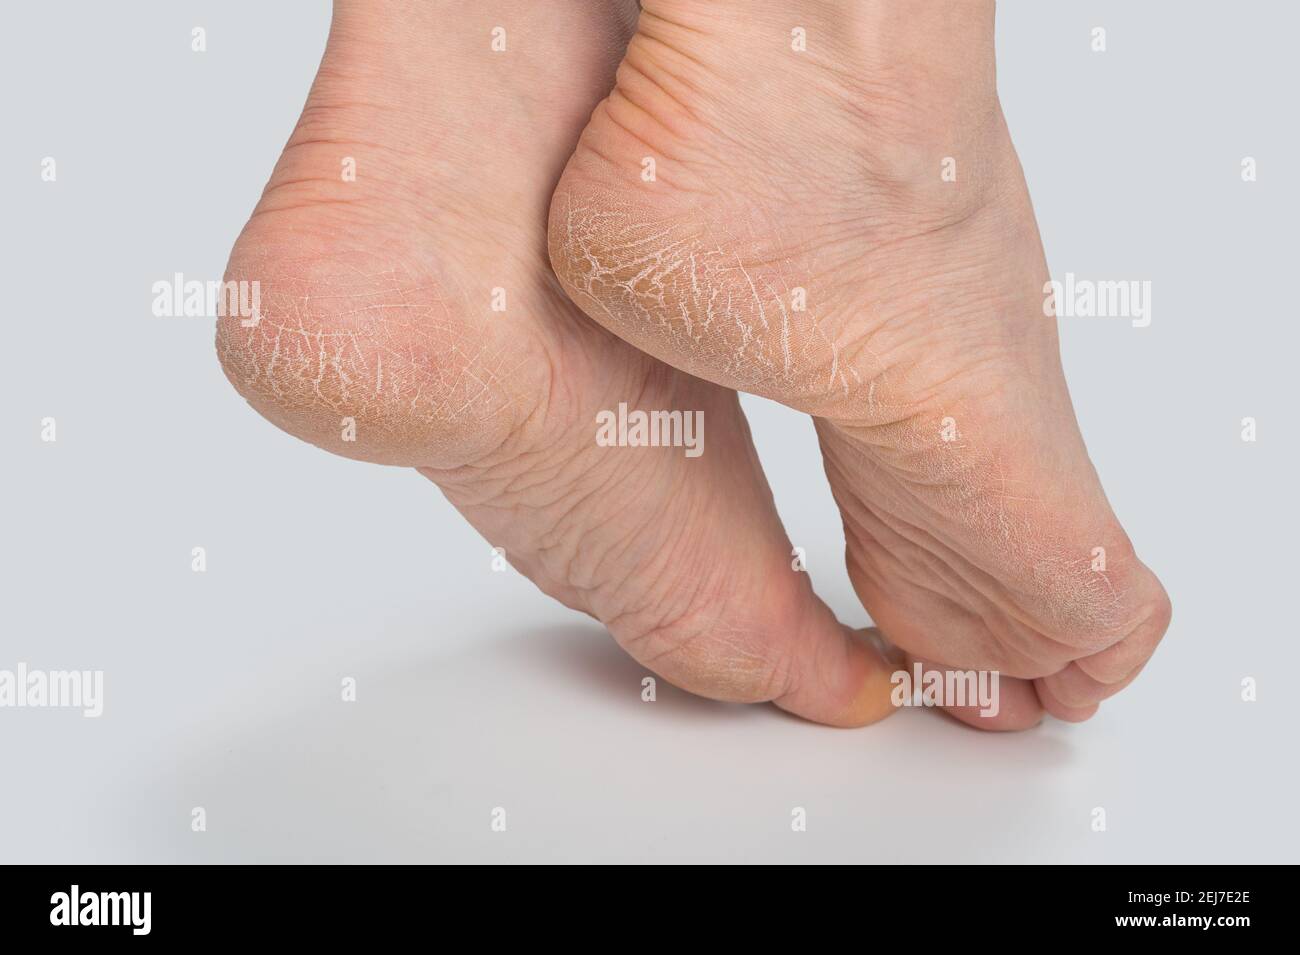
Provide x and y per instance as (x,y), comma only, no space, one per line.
(795,241)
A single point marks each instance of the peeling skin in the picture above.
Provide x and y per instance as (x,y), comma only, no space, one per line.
(374,304)
(682,292)
(392,350)
(677,287)
(924,300)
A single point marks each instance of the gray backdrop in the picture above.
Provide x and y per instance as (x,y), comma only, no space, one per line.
(475,690)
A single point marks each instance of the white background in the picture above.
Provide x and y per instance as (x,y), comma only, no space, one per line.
(475,690)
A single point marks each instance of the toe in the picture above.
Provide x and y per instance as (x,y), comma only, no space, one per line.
(1060,709)
(1009,704)
(837,676)
(1090,679)
(1076,689)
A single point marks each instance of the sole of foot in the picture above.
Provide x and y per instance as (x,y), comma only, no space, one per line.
(409,317)
(823,206)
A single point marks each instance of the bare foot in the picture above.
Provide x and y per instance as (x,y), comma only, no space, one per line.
(798,239)
(378,303)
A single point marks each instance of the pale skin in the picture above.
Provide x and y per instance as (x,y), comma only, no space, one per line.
(916,338)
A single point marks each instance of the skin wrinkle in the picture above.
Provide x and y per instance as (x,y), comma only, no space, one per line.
(913,316)
(380,312)
(681,641)
(342,368)
(375,307)
(351,343)
(927,559)
(574,496)
(650,527)
(989,640)
(642,266)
